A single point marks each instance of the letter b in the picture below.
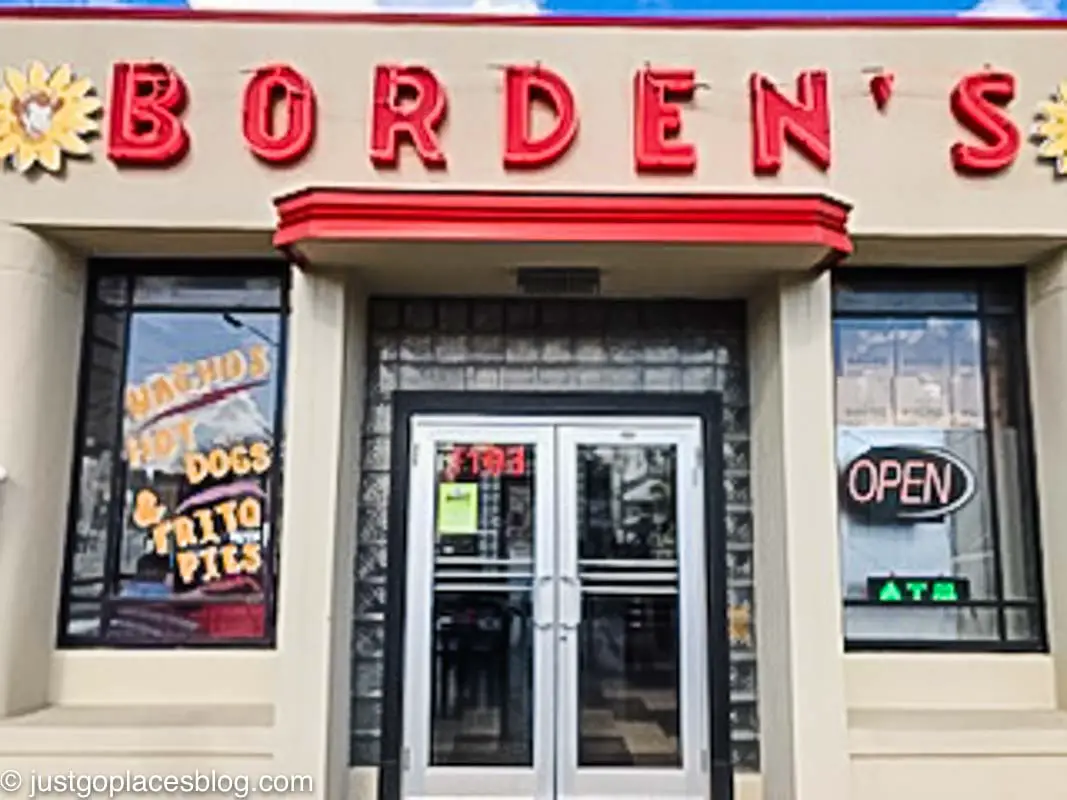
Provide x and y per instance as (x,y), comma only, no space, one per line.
(147,99)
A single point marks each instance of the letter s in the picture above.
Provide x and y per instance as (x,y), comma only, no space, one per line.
(977,104)
(260,454)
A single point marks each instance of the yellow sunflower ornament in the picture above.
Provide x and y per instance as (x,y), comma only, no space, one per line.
(1051,130)
(44,117)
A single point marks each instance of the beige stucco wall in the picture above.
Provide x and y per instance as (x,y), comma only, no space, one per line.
(835,725)
(882,162)
(42,289)
(161,713)
(798,599)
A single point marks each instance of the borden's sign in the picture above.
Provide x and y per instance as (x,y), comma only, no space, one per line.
(46,114)
(904,484)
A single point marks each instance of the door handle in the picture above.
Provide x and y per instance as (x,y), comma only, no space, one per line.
(571,602)
(542,610)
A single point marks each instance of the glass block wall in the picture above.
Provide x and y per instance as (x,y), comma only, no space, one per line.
(552,345)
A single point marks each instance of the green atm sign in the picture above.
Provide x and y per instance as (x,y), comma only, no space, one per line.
(903,590)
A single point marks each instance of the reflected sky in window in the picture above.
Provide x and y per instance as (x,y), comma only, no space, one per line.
(881,341)
(159,341)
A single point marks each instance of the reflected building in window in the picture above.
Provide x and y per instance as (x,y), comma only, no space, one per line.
(174,525)
(937,373)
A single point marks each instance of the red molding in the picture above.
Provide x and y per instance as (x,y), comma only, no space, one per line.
(376,215)
(126,14)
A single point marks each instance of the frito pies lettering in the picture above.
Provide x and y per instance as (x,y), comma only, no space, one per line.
(905,484)
(196,540)
(152,118)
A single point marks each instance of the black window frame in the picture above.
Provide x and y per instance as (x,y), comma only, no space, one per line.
(130,269)
(997,282)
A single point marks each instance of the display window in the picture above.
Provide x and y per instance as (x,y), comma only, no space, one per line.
(938,527)
(177,490)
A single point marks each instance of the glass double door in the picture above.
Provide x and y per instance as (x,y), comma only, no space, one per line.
(555,630)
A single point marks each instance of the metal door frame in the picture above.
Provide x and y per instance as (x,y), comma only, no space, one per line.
(705,406)
(534,781)
(572,779)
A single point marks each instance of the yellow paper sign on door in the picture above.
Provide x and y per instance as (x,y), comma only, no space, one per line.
(457,509)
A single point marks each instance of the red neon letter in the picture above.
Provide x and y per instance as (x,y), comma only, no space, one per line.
(408,101)
(658,122)
(805,124)
(145,127)
(976,102)
(522,87)
(279,83)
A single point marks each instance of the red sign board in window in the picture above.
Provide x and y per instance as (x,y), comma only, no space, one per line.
(489,460)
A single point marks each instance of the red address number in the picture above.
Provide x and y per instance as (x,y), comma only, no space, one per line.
(487,459)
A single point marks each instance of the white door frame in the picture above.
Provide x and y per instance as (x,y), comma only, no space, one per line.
(554,772)
(418,779)
(692,780)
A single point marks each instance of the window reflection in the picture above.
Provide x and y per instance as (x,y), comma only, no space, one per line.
(626,502)
(930,406)
(628,682)
(194,291)
(628,655)
(885,297)
(1013,490)
(482,683)
(178,480)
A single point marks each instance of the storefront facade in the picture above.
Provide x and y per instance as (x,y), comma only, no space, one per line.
(516,408)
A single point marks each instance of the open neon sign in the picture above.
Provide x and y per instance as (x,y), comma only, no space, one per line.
(904,484)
